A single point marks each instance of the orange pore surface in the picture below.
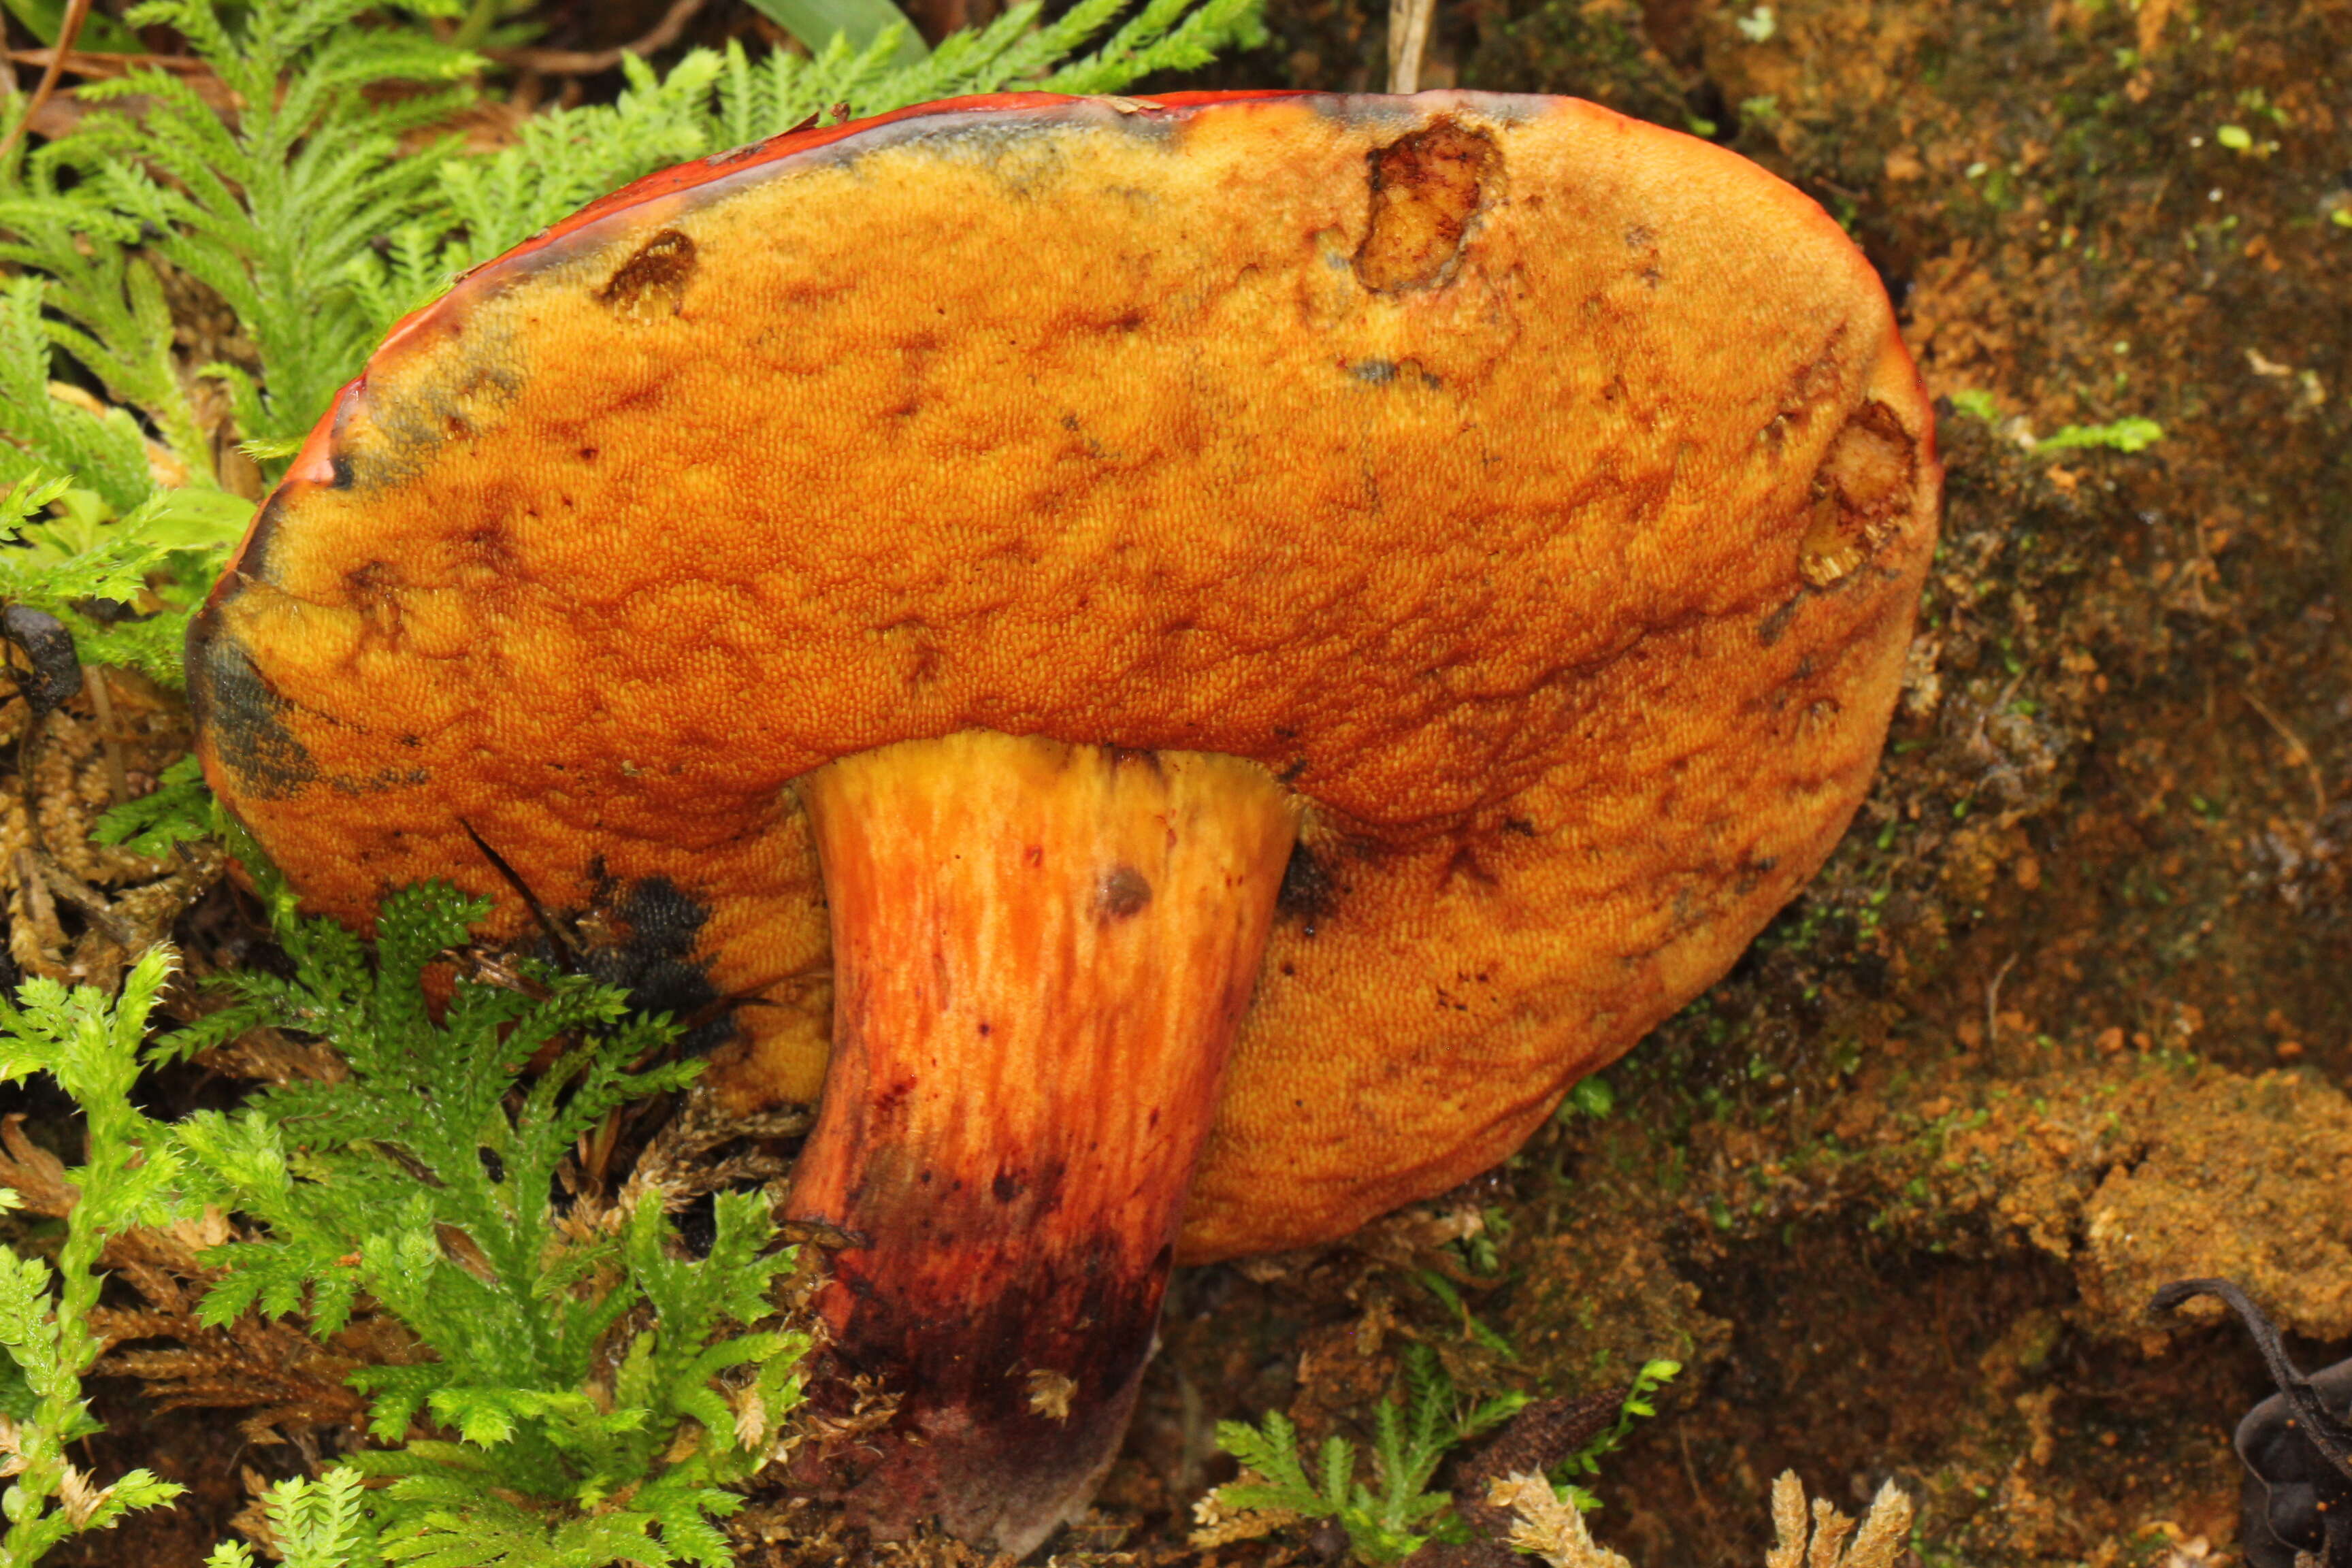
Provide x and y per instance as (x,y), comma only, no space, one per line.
(1544,496)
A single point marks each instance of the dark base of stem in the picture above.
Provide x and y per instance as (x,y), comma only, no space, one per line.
(1007,1484)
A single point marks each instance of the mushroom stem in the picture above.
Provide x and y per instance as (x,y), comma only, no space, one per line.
(1041,954)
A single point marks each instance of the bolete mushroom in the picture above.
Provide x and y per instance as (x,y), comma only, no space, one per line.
(1217,652)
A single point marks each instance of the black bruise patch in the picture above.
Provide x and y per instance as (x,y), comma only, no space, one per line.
(1388,372)
(244,719)
(253,560)
(383,779)
(404,429)
(1775,627)
(1308,894)
(652,281)
(656,963)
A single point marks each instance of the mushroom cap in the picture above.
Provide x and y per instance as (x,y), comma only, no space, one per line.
(1543,495)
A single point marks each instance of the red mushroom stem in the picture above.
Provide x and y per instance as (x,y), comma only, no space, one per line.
(1042,953)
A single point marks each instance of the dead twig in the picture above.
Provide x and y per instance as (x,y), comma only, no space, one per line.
(28,742)
(2298,755)
(588,62)
(40,913)
(1992,1001)
(567,952)
(110,739)
(92,903)
(1690,1471)
(105,66)
(1408,42)
(77,13)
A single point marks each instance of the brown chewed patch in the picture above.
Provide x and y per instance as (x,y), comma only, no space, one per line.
(1861,491)
(654,280)
(1426,187)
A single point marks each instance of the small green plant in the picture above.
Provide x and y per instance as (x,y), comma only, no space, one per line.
(1394,1517)
(94,528)
(321,1524)
(582,1392)
(1592,1098)
(1473,1326)
(591,1390)
(1637,1405)
(2134,435)
(178,810)
(1481,1251)
(861,22)
(89,1043)
(267,208)
(1411,1435)
(2122,435)
(1976,404)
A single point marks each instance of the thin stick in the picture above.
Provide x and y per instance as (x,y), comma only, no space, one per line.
(1407,41)
(567,952)
(100,63)
(1992,1002)
(39,908)
(1681,1431)
(581,62)
(28,750)
(86,899)
(110,739)
(77,13)
(2298,755)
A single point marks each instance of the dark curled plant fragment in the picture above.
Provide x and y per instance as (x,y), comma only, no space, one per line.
(56,672)
(2296,1447)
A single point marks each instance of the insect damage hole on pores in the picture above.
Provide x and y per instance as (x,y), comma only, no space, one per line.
(1426,187)
(1862,491)
(652,281)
